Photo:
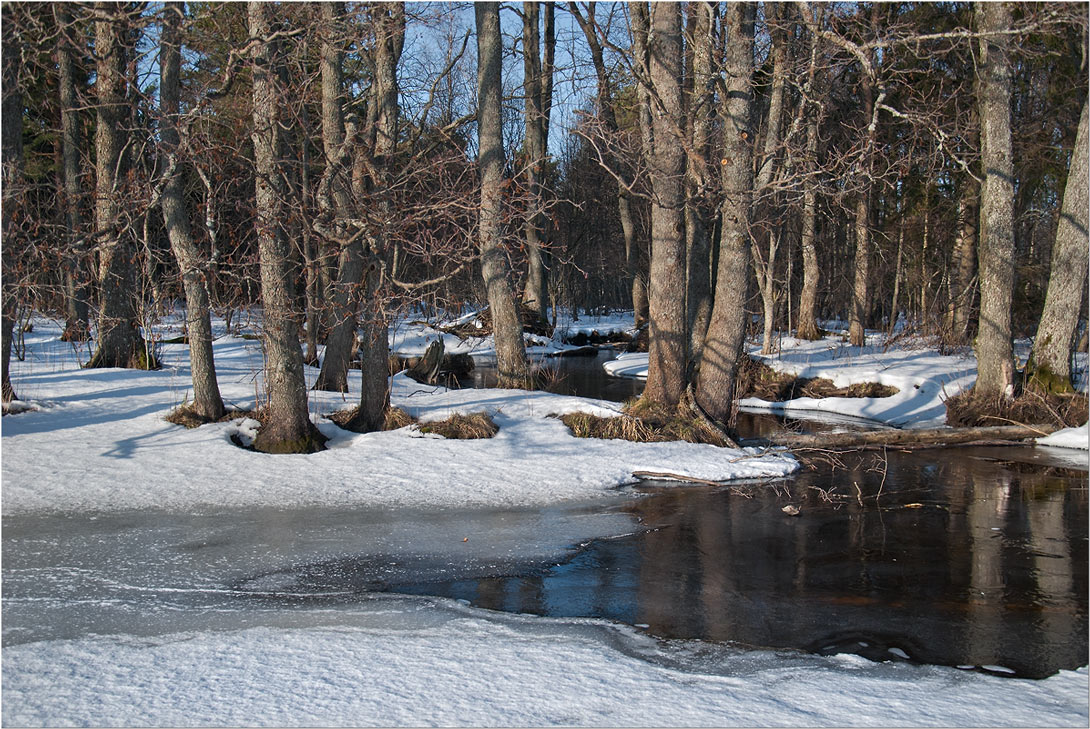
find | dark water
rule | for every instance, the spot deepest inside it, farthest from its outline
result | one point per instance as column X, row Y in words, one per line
column 958, row 556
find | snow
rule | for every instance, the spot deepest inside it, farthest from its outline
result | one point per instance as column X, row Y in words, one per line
column 121, row 454
column 474, row 671
column 1068, row 438
column 95, row 441
column 923, row 377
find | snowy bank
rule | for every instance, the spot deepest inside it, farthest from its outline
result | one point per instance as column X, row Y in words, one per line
column 119, row 453
column 465, row 670
column 1068, row 438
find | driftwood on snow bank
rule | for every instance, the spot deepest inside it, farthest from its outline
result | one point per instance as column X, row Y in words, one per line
column 904, row 438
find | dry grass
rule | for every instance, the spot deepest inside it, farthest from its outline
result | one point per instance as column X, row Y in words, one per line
column 757, row 379
column 644, row 422
column 395, row 418
column 1028, row 407
column 183, row 415
column 463, row 427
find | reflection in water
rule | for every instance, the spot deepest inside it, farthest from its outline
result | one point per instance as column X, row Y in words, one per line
column 958, row 560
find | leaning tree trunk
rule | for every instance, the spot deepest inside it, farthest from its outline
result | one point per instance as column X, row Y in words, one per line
column 120, row 343
column 995, row 359
column 77, row 279
column 506, row 327
column 715, row 385
column 207, row 402
column 666, row 354
column 286, row 426
column 1050, row 361
column 11, row 158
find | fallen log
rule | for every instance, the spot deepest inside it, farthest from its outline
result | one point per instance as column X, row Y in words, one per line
column 903, row 438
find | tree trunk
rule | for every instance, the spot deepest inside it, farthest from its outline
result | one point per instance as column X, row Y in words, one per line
column 537, row 83
column 666, row 378
column 507, row 329
column 905, row 438
column 207, row 402
column 389, row 23
column 120, row 343
column 715, row 390
column 697, row 208
column 11, row 157
column 962, row 289
column 77, row 279
column 334, row 202
column 860, row 305
column 1050, row 361
column 811, row 274
column 995, row 360
column 896, row 303
column 286, row 424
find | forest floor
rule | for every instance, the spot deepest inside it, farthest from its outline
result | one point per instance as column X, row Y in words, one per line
column 95, row 442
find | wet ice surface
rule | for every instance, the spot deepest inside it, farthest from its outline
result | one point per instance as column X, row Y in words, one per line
column 150, row 573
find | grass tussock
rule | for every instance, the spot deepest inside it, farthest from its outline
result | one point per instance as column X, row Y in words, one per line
column 1029, row 407
column 644, row 422
column 463, row 427
column 757, row 379
column 187, row 417
column 395, row 418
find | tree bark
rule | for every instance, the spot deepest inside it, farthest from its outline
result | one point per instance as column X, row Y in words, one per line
column 11, row 157
column 905, row 438
column 334, row 202
column 286, row 424
column 207, row 402
column 995, row 360
column 1050, row 361
column 506, row 327
column 538, row 93
column 811, row 273
column 77, row 279
column 962, row 289
column 715, row 387
column 120, row 343
column 667, row 356
column 697, row 208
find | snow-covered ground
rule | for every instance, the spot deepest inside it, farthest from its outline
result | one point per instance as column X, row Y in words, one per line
column 923, row 377
column 96, row 441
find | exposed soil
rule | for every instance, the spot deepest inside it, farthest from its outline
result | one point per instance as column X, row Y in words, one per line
column 757, row 379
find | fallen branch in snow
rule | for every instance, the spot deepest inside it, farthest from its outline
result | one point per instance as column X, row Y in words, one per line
column 907, row 438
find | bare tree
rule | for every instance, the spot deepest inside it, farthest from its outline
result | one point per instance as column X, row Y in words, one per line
column 286, row 424
column 207, row 402
column 666, row 376
column 538, row 90
column 698, row 205
column 507, row 329
column 11, row 123
column 78, row 284
column 995, row 359
column 1050, row 361
column 120, row 343
column 715, row 385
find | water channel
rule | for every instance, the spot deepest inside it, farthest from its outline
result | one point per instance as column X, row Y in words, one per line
column 972, row 557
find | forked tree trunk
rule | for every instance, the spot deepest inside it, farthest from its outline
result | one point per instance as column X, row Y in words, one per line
column 666, row 371
column 507, row 329
column 77, row 279
column 995, row 359
column 1050, row 361
column 120, row 343
column 207, row 402
column 286, row 427
column 345, row 291
column 389, row 23
column 715, row 387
